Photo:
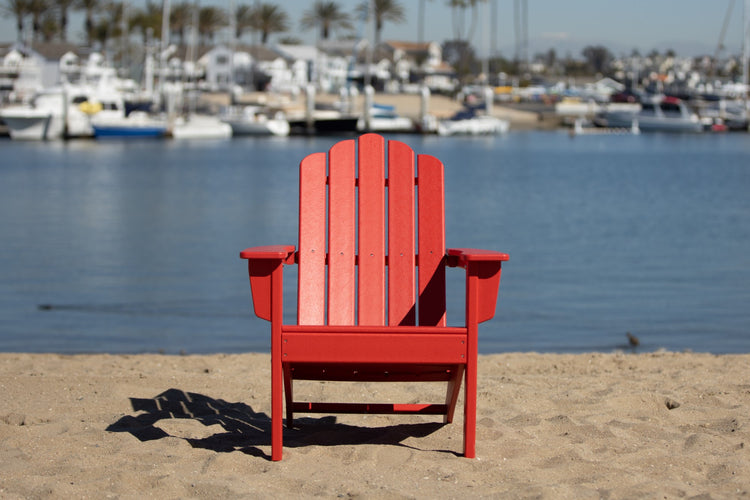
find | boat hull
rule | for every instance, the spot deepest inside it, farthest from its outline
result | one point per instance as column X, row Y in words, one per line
column 137, row 124
column 30, row 126
column 248, row 127
column 341, row 125
column 201, row 127
column 480, row 125
column 650, row 123
column 104, row 131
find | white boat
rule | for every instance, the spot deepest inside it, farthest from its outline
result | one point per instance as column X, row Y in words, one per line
column 254, row 120
column 30, row 122
column 383, row 118
column 468, row 122
column 59, row 112
column 197, row 126
column 657, row 114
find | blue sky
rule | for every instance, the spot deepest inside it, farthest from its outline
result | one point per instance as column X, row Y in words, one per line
column 690, row 27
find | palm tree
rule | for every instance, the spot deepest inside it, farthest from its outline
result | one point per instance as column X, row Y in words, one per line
column 109, row 24
column 243, row 16
column 49, row 27
column 211, row 20
column 37, row 9
column 458, row 12
column 147, row 20
column 180, row 18
column 269, row 19
column 63, row 6
column 90, row 6
column 327, row 16
column 385, row 10
column 19, row 10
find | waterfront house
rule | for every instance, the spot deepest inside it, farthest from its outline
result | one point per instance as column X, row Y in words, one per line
column 26, row 69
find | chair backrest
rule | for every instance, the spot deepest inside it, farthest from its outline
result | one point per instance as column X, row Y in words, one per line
column 360, row 216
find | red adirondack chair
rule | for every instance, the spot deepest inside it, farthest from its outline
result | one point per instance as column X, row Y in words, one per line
column 378, row 313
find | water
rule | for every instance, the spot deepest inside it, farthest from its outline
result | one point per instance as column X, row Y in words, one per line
column 129, row 247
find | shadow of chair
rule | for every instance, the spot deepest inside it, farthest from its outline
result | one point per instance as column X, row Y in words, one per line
column 246, row 430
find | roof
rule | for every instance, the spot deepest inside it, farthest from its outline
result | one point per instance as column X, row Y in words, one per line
column 294, row 52
column 53, row 51
column 409, row 46
column 259, row 52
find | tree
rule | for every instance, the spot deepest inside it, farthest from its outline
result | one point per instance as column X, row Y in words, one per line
column 109, row 23
column 180, row 18
column 460, row 55
column 19, row 10
column 210, row 20
column 90, row 7
column 385, row 10
column 327, row 16
column 49, row 28
column 37, row 9
column 458, row 13
column 269, row 18
column 147, row 20
column 63, row 6
column 597, row 57
column 243, row 17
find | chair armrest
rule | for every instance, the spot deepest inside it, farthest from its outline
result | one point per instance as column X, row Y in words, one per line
column 265, row 267
column 483, row 270
column 460, row 257
column 282, row 252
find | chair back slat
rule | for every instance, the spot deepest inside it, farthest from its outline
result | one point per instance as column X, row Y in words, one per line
column 312, row 244
column 371, row 218
column 401, row 250
column 360, row 206
column 431, row 235
column 341, row 234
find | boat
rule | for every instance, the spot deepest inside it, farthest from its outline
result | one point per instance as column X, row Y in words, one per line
column 655, row 114
column 468, row 122
column 136, row 124
column 255, row 120
column 383, row 118
column 323, row 121
column 30, row 122
column 61, row 112
column 196, row 126
column 65, row 110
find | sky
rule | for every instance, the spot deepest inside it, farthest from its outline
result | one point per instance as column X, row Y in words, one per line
column 689, row 27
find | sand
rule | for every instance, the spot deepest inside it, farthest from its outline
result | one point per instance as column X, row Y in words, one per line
column 658, row 425
column 408, row 105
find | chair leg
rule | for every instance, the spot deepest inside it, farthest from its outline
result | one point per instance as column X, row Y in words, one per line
column 470, row 411
column 277, row 399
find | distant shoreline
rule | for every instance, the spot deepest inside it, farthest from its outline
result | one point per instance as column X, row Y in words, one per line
column 407, row 105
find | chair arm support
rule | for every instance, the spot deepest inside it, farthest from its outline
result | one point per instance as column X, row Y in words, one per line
column 483, row 270
column 265, row 268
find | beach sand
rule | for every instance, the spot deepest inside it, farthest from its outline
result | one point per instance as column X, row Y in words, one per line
column 657, row 425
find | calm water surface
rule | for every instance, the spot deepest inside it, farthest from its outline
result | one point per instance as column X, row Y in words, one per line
column 133, row 246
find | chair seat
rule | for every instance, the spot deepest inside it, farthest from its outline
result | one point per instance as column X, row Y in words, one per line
column 435, row 345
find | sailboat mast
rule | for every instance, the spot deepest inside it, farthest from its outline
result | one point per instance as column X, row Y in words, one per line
column 164, row 45
column 745, row 49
